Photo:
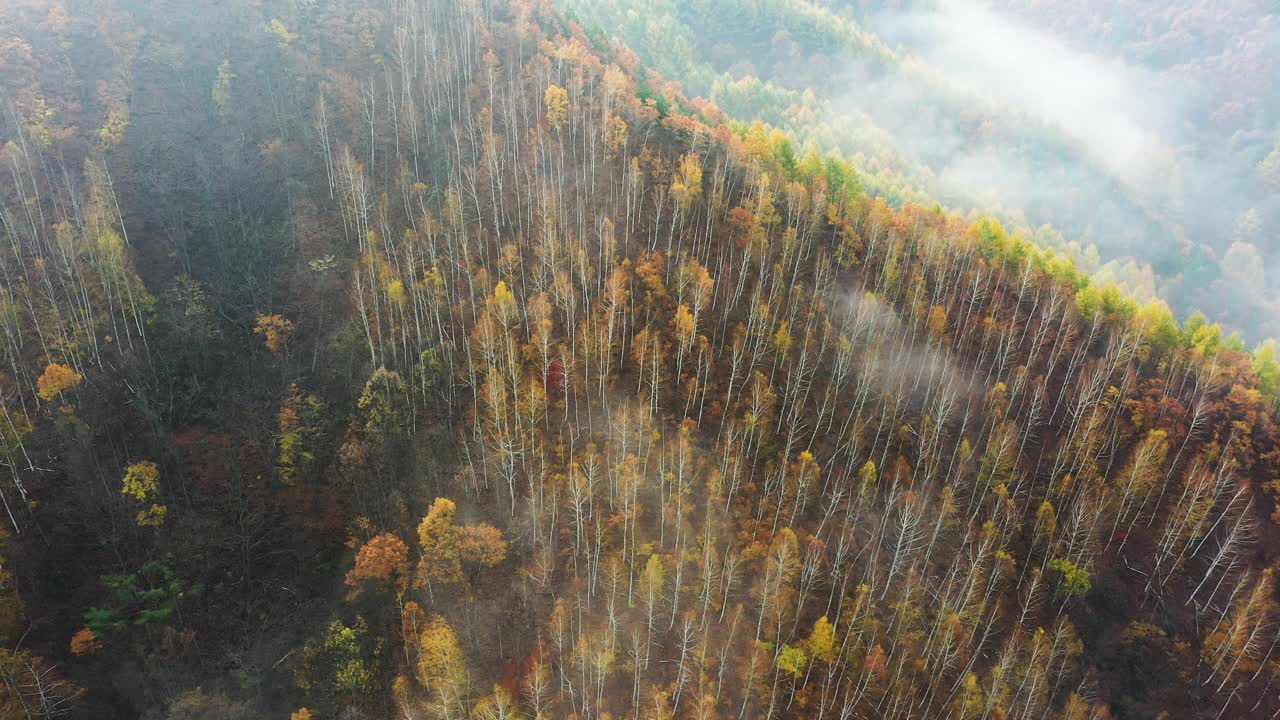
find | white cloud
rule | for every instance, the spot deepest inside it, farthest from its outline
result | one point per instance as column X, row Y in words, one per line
column 1123, row 114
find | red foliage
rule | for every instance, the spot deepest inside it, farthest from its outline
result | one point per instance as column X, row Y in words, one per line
column 205, row 459
column 554, row 380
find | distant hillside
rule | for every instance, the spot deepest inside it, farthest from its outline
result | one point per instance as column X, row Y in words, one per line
column 1158, row 164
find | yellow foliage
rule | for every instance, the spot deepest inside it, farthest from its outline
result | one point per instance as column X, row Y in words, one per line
column 281, row 31
column 654, row 577
column 152, row 517
column 275, row 331
column 792, row 661
column 504, row 302
column 969, row 703
column 557, row 101
column 55, row 380
column 684, row 325
column 782, row 339
column 615, row 135
column 141, row 481
column 686, row 186
column 937, row 322
column 110, row 244
column 396, row 291
column 112, row 132
column 441, row 667
column 498, row 706
column 822, row 641
column 446, row 546
column 38, row 122
column 402, row 690
column 437, row 525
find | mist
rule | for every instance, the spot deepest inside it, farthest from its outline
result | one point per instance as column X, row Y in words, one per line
column 1122, row 112
column 1113, row 153
column 1123, row 120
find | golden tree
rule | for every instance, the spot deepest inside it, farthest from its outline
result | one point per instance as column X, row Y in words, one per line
column 275, row 331
column 55, row 380
column 822, row 641
column 557, row 101
column 142, row 483
column 446, row 546
column 441, row 668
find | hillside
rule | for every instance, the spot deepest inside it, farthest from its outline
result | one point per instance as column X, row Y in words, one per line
column 1134, row 136
column 435, row 359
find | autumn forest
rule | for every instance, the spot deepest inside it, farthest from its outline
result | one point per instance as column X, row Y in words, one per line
column 436, row 359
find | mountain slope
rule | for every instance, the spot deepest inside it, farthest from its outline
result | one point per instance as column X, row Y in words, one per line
column 1153, row 175
column 431, row 359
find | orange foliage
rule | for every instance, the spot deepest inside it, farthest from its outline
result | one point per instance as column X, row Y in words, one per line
column 482, row 544
column 385, row 557
column 288, row 418
column 877, row 662
column 57, row 379
column 84, row 642
column 275, row 330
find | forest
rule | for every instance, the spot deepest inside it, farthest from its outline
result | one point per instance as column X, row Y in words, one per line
column 457, row 359
column 1141, row 138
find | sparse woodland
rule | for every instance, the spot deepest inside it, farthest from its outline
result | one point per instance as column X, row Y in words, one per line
column 431, row 359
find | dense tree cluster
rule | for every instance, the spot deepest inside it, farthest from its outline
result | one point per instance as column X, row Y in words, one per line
column 441, row 362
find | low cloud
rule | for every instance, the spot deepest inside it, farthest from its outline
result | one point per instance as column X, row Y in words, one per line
column 1125, row 115
column 1130, row 169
